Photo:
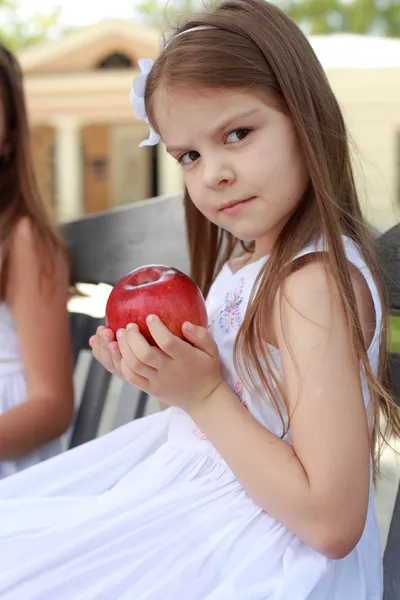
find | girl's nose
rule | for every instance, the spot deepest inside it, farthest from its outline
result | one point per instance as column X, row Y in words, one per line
column 216, row 173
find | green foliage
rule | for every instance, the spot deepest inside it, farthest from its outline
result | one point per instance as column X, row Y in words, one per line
column 394, row 334
column 315, row 16
column 159, row 12
column 18, row 33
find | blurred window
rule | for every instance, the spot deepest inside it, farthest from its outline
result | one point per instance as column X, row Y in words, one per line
column 116, row 61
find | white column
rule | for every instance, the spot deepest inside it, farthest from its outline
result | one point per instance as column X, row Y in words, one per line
column 68, row 168
column 169, row 173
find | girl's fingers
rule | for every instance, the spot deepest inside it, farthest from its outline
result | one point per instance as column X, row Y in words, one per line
column 100, row 349
column 107, row 335
column 134, row 379
column 130, row 358
column 149, row 355
column 116, row 359
column 201, row 338
column 172, row 346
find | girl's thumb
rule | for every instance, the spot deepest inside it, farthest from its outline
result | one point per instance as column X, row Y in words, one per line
column 199, row 337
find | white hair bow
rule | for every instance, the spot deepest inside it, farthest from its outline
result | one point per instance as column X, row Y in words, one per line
column 136, row 97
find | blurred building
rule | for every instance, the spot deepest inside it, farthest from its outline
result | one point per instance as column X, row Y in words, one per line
column 85, row 137
column 84, row 134
column 364, row 72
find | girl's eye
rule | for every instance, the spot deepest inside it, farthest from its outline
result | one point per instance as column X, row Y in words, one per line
column 237, row 135
column 189, row 157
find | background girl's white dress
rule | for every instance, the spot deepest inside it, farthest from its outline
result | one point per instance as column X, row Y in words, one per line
column 13, row 391
column 152, row 512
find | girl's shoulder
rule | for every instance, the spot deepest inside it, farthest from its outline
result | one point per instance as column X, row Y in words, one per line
column 29, row 254
column 23, row 232
column 313, row 283
column 27, row 235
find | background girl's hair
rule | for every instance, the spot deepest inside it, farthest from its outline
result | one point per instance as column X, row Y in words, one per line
column 19, row 190
column 254, row 45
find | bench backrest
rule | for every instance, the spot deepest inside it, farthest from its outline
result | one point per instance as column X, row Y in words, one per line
column 103, row 248
column 388, row 246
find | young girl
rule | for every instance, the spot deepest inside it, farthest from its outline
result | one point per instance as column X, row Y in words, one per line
column 36, row 397
column 256, row 482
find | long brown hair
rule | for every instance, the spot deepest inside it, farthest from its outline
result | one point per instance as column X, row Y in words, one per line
column 254, row 44
column 19, row 191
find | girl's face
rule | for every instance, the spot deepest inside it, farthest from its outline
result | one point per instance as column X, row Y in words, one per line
column 241, row 158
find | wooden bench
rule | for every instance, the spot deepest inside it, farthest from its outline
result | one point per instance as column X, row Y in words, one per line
column 388, row 246
column 103, row 248
column 107, row 245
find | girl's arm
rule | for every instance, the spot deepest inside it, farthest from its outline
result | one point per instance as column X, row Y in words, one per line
column 39, row 310
column 319, row 487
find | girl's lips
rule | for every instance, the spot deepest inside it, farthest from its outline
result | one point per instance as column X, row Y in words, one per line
column 232, row 208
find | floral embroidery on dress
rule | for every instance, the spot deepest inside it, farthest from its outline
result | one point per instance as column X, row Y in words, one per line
column 230, row 317
column 238, row 391
column 197, row 431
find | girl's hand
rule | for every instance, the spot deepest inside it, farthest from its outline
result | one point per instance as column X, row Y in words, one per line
column 105, row 350
column 178, row 372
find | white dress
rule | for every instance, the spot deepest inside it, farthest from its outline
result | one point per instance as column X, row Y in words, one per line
column 13, row 391
column 151, row 511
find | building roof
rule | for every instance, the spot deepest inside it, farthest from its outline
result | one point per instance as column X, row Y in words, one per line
column 335, row 51
column 35, row 57
column 352, row 51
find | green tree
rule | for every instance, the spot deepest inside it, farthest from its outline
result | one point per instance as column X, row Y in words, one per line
column 158, row 12
column 354, row 16
column 314, row 16
column 18, row 33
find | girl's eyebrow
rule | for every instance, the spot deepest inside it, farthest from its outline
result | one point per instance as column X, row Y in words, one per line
column 224, row 124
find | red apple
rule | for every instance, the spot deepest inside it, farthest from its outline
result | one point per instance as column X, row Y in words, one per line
column 155, row 290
